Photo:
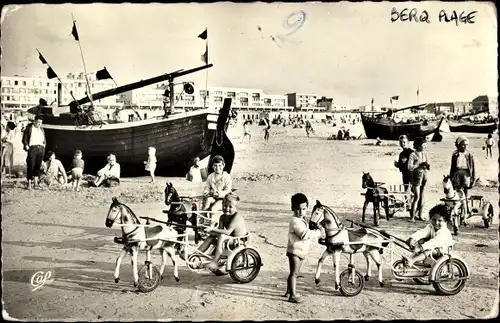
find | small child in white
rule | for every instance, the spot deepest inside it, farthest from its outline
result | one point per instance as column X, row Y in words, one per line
column 194, row 174
column 151, row 163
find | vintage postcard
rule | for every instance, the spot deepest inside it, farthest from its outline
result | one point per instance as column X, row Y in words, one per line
column 249, row 161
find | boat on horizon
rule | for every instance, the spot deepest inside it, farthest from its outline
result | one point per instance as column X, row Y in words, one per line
column 383, row 126
column 462, row 125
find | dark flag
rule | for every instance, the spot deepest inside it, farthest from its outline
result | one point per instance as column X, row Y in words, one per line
column 396, row 97
column 42, row 59
column 418, row 91
column 203, row 35
column 74, row 31
column 373, row 101
column 50, row 73
column 204, row 57
column 103, row 74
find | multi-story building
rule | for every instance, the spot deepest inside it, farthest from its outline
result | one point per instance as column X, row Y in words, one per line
column 243, row 99
column 485, row 102
column 304, row 102
column 25, row 92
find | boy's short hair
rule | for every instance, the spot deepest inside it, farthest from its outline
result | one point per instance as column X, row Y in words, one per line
column 78, row 152
column 419, row 141
column 231, row 197
column 50, row 153
column 403, row 137
column 298, row 199
column 218, row 159
column 38, row 117
column 442, row 210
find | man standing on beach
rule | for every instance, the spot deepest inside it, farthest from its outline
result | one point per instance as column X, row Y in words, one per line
column 34, row 144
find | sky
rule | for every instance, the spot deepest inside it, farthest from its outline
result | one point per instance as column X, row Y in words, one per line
column 351, row 52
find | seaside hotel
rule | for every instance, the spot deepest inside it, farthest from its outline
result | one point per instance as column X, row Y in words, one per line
column 20, row 93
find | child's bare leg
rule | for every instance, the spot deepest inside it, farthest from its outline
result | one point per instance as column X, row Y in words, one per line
column 207, row 202
column 207, row 243
column 295, row 264
column 77, row 185
column 152, row 173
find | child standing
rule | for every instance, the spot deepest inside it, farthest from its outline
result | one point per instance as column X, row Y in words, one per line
column 77, row 166
column 298, row 243
column 436, row 235
column 219, row 184
column 194, row 174
column 151, row 163
column 462, row 165
column 8, row 148
column 489, row 143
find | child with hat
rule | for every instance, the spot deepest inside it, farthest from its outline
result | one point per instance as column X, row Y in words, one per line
column 462, row 171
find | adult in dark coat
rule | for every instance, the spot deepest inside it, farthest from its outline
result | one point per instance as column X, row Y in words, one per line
column 34, row 144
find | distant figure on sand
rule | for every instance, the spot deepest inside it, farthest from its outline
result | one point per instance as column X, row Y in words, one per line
column 109, row 176
column 53, row 171
column 489, row 143
column 151, row 163
column 77, row 167
column 379, row 142
column 194, row 174
column 8, row 148
column 267, row 127
column 246, row 130
column 418, row 166
column 34, row 144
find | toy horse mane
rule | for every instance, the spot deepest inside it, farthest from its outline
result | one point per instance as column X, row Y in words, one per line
column 331, row 211
column 129, row 210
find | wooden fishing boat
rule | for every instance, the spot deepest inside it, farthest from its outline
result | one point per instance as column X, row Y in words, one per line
column 386, row 128
column 472, row 127
column 462, row 125
column 177, row 137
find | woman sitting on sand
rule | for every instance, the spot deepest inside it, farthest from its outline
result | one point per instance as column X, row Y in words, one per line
column 109, row 176
column 53, row 171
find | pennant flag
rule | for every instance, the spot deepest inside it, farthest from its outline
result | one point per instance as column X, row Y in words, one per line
column 373, row 100
column 50, row 73
column 418, row 91
column 391, row 100
column 204, row 57
column 203, row 35
column 74, row 31
column 396, row 97
column 103, row 74
column 42, row 59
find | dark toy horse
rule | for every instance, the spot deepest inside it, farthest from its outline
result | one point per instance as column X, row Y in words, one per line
column 180, row 211
column 374, row 194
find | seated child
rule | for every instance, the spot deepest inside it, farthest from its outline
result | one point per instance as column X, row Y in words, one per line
column 109, row 175
column 436, row 235
column 53, row 171
column 218, row 185
column 77, row 166
column 231, row 224
column 299, row 237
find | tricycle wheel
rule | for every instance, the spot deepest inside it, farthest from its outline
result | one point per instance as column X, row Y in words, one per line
column 147, row 282
column 488, row 216
column 351, row 285
column 245, row 266
column 450, row 277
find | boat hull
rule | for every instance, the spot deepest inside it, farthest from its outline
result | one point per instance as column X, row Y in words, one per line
column 471, row 127
column 178, row 139
column 389, row 130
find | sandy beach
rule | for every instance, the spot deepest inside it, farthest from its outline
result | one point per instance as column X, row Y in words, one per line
column 63, row 232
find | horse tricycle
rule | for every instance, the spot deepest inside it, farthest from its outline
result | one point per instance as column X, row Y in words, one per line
column 463, row 207
column 447, row 273
column 237, row 255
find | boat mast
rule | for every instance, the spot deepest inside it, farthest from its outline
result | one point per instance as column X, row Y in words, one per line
column 77, row 37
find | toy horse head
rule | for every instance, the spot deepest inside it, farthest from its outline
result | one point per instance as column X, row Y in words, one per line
column 171, row 194
column 118, row 210
column 447, row 185
column 319, row 214
column 367, row 180
column 113, row 212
